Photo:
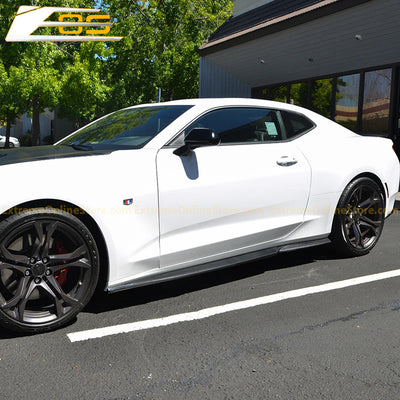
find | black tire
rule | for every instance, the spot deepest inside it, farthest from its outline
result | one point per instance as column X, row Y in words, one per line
column 49, row 267
column 359, row 218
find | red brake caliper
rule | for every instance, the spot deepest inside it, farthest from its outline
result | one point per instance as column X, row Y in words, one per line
column 61, row 275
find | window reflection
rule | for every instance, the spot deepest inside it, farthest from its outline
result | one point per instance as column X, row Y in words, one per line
column 375, row 114
column 279, row 93
column 299, row 94
column 321, row 97
column 346, row 109
column 376, row 99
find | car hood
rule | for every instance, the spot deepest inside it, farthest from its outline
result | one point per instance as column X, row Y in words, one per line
column 40, row 153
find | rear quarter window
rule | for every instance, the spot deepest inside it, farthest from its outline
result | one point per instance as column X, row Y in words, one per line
column 296, row 124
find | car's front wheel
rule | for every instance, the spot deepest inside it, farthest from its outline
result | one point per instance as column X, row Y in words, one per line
column 49, row 267
column 359, row 217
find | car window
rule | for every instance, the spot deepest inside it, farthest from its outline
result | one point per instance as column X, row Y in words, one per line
column 242, row 125
column 296, row 124
column 128, row 128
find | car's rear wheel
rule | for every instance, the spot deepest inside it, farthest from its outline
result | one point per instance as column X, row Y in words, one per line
column 10, row 145
column 359, row 217
column 49, row 267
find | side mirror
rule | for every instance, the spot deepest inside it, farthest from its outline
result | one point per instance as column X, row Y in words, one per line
column 198, row 137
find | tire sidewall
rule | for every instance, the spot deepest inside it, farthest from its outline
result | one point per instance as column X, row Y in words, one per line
column 15, row 221
column 339, row 236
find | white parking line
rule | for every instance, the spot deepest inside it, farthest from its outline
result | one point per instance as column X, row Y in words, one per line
column 239, row 305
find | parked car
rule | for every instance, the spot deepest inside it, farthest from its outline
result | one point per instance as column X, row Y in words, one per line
column 14, row 142
column 161, row 191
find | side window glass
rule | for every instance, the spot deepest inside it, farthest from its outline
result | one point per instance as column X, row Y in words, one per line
column 241, row 125
column 296, row 124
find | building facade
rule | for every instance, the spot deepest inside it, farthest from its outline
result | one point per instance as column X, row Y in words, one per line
column 340, row 58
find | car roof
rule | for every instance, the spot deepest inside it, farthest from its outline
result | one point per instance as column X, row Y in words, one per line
column 234, row 102
column 215, row 102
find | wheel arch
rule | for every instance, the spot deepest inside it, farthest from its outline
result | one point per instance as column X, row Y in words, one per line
column 85, row 218
column 375, row 178
column 346, row 183
column 342, row 240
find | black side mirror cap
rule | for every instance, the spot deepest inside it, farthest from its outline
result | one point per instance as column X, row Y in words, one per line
column 198, row 137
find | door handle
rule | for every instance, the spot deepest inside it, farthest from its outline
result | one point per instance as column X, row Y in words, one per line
column 286, row 161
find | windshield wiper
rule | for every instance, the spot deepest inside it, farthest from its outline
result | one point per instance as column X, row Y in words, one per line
column 81, row 147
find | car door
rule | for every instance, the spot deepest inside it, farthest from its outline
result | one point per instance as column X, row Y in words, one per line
column 245, row 194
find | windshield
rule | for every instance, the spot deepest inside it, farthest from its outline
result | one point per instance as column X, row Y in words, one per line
column 130, row 128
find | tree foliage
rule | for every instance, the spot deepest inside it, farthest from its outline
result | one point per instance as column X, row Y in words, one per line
column 36, row 70
column 11, row 105
column 84, row 80
column 160, row 46
column 39, row 83
column 83, row 91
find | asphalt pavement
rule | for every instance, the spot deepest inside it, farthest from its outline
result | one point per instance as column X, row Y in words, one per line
column 342, row 343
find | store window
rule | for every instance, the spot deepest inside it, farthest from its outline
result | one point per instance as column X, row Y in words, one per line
column 299, row 94
column 346, row 108
column 321, row 96
column 279, row 93
column 376, row 105
column 340, row 98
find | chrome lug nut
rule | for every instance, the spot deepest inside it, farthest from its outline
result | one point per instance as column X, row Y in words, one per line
column 27, row 272
column 45, row 260
column 32, row 260
column 48, row 272
column 37, row 280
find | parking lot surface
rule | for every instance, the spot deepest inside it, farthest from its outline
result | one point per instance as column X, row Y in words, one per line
column 341, row 343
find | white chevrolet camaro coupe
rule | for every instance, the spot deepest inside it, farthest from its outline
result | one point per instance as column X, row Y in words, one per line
column 162, row 191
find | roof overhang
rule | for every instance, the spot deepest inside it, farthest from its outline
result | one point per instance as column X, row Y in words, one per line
column 304, row 15
column 326, row 44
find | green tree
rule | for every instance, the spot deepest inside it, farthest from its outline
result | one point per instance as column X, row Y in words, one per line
column 160, row 47
column 39, row 88
column 42, row 68
column 11, row 104
column 83, row 91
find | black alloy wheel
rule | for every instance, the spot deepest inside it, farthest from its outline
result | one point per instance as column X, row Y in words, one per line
column 49, row 267
column 359, row 217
